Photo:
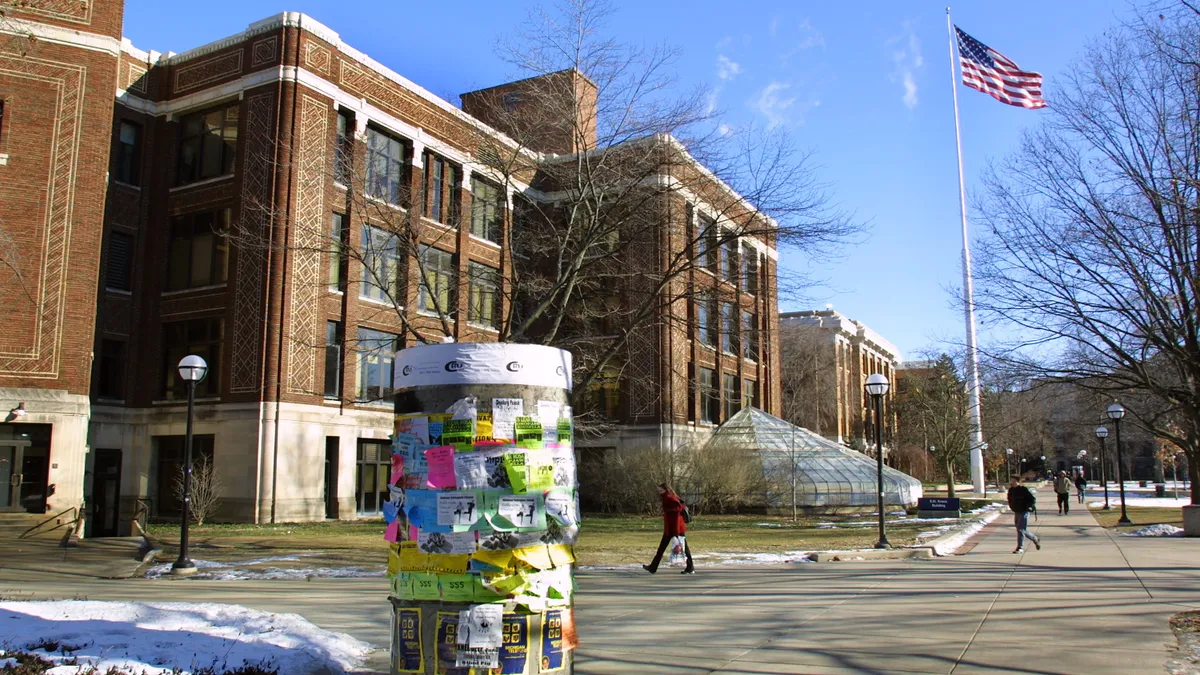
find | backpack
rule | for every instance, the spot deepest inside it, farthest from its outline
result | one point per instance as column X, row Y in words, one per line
column 687, row 514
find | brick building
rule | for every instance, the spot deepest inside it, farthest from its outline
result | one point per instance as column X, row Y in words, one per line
column 838, row 354
column 229, row 231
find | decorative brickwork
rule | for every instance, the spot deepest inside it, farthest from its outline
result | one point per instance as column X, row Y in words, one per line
column 312, row 152
column 385, row 94
column 196, row 75
column 251, row 255
column 41, row 358
column 264, row 51
column 72, row 11
column 317, row 58
column 135, row 78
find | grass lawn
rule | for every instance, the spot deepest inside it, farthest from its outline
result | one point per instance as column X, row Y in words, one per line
column 605, row 539
column 1140, row 515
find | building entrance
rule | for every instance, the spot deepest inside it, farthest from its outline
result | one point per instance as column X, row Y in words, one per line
column 24, row 467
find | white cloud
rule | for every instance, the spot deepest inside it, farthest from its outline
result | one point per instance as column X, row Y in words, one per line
column 907, row 61
column 773, row 103
column 724, row 129
column 808, row 37
column 727, row 68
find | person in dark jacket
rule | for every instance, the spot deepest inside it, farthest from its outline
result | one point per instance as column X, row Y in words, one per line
column 1062, row 488
column 673, row 526
column 1022, row 502
column 1080, row 486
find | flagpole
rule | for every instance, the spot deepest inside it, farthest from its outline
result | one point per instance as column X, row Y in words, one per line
column 973, row 386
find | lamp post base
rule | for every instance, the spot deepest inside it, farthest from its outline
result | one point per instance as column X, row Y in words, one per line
column 183, row 568
column 1124, row 521
column 882, row 544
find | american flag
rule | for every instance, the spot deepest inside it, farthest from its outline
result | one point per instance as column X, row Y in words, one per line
column 987, row 70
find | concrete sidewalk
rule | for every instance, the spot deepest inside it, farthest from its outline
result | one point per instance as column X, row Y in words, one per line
column 1088, row 602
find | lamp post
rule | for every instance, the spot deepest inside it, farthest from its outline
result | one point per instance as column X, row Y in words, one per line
column 877, row 386
column 1102, row 433
column 1008, row 462
column 1115, row 412
column 192, row 369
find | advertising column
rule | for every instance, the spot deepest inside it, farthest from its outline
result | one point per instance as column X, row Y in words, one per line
column 484, row 513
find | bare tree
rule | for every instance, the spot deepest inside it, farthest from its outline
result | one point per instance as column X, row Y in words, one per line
column 204, row 492
column 933, row 410
column 808, row 377
column 1094, row 248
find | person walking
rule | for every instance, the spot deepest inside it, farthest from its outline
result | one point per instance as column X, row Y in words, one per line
column 674, row 525
column 1080, row 486
column 1062, row 488
column 1022, row 502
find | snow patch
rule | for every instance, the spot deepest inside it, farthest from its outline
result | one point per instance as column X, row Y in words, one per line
column 236, row 571
column 1158, row 530
column 956, row 540
column 154, row 638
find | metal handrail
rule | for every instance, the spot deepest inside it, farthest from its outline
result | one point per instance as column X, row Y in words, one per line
column 141, row 516
column 75, row 518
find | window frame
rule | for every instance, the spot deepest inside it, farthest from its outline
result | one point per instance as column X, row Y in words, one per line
column 339, row 259
column 335, row 340
column 208, row 346
column 434, row 268
column 710, row 402
column 228, row 150
column 481, row 226
column 395, row 192
column 730, row 268
column 478, row 272
column 343, row 148
column 127, row 160
column 749, row 335
column 110, row 264
column 749, row 393
column 378, row 340
column 731, row 397
column 218, row 272
column 109, row 373
column 729, row 328
column 705, row 329
column 750, row 268
column 386, row 254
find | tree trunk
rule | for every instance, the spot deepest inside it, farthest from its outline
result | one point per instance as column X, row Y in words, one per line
column 1193, row 470
column 950, row 480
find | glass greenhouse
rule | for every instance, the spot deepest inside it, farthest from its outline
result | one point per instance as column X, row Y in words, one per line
column 827, row 474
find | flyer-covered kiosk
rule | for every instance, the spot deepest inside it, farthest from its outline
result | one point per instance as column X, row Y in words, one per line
column 483, row 514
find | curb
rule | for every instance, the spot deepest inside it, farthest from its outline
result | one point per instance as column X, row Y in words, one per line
column 956, row 537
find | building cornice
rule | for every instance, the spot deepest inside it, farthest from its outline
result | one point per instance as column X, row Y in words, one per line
column 58, row 35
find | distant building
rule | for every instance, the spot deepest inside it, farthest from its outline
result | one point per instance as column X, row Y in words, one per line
column 826, row 358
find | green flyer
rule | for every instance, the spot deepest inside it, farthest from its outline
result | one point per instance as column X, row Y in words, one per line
column 457, row 587
column 459, row 433
column 529, row 433
column 514, row 463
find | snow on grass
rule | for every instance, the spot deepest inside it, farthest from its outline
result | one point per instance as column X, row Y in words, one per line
column 755, row 558
column 1157, row 530
column 1114, row 500
column 954, row 541
column 153, row 638
column 247, row 570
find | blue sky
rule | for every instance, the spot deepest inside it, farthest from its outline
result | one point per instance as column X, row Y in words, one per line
column 865, row 85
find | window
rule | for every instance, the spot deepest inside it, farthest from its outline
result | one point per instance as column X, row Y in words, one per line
column 110, row 372
column 376, row 354
column 385, row 166
column 442, row 180
column 437, row 281
column 381, row 262
column 343, row 149
column 208, row 144
column 168, row 467
column 750, row 269
column 486, row 210
column 729, row 394
column 484, row 287
column 605, row 394
column 709, row 404
column 129, row 153
column 339, row 238
column 333, row 359
column 749, row 394
column 729, row 327
column 707, row 254
column 118, row 264
column 371, row 478
column 199, row 252
column 201, row 337
column 704, row 320
column 729, row 259
column 749, row 336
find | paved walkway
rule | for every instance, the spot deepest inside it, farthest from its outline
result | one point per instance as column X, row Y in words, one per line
column 1088, row 602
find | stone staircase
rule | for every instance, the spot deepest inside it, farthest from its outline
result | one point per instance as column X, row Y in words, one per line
column 35, row 525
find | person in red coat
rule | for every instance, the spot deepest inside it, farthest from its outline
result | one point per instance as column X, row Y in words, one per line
column 673, row 526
